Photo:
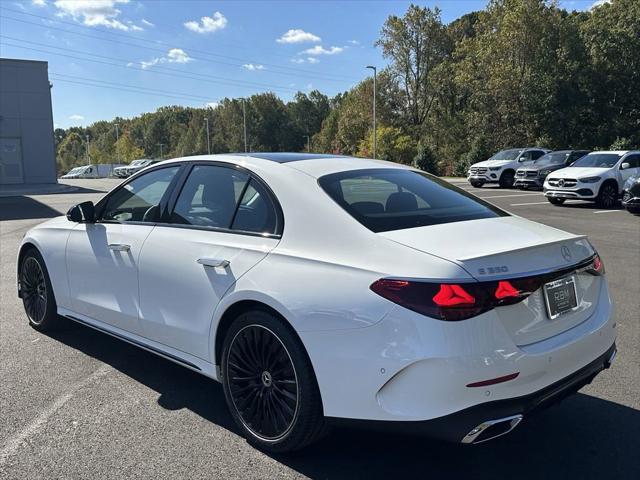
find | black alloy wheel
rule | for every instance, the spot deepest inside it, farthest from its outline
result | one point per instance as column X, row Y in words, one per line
column 36, row 292
column 262, row 381
column 507, row 179
column 608, row 196
column 269, row 383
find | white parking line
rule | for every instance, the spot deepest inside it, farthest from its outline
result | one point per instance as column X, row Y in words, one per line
column 608, row 211
column 531, row 203
column 512, row 195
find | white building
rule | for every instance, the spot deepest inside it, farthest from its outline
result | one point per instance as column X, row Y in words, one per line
column 27, row 153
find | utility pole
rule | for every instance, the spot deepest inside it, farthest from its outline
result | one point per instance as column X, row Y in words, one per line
column 206, row 121
column 117, row 149
column 244, row 122
column 375, row 133
column 308, row 143
column 87, row 144
column 161, row 145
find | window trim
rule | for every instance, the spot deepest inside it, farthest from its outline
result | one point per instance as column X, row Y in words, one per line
column 188, row 167
column 100, row 206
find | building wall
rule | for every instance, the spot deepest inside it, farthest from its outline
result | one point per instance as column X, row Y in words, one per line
column 26, row 116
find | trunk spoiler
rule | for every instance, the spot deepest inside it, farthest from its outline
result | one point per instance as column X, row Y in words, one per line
column 521, row 249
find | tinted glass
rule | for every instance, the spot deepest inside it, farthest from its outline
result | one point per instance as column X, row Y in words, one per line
column 210, row 196
column 139, row 200
column 394, row 199
column 507, row 154
column 256, row 212
column 554, row 158
column 601, row 160
column 633, row 161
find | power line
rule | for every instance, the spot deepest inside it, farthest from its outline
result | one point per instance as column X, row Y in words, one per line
column 133, row 65
column 299, row 71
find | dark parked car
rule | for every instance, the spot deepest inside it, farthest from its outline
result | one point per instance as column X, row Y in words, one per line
column 533, row 175
column 631, row 195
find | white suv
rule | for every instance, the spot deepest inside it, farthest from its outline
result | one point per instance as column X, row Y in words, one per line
column 597, row 177
column 501, row 168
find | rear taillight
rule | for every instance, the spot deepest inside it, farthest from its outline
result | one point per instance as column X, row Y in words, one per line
column 444, row 301
column 597, row 266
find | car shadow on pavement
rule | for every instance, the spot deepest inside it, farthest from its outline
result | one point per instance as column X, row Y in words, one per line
column 582, row 437
column 23, row 208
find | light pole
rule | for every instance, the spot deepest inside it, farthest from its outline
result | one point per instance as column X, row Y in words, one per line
column 161, row 145
column 375, row 133
column 87, row 144
column 244, row 123
column 117, row 149
column 206, row 121
column 308, row 143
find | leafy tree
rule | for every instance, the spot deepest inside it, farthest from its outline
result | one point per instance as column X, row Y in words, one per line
column 426, row 160
column 127, row 150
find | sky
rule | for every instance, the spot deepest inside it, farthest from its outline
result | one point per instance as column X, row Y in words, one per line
column 111, row 58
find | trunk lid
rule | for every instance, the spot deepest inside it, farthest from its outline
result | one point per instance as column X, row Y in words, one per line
column 512, row 247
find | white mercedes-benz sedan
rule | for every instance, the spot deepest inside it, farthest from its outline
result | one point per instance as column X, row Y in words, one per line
column 325, row 289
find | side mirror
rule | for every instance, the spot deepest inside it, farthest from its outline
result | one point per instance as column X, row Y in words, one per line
column 624, row 166
column 84, row 212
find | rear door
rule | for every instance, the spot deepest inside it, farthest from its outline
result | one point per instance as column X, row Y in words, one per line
column 222, row 223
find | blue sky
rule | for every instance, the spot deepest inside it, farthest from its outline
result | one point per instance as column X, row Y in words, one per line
column 112, row 58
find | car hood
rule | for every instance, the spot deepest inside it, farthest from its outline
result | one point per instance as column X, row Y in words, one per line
column 579, row 172
column 537, row 168
column 492, row 163
column 497, row 247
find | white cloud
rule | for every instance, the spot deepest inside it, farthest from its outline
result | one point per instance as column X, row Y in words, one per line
column 207, row 24
column 95, row 13
column 147, row 23
column 599, row 3
column 313, row 60
column 252, row 67
column 320, row 50
column 298, row 60
column 296, row 35
column 354, row 42
column 175, row 55
column 39, row 3
column 76, row 117
column 305, row 60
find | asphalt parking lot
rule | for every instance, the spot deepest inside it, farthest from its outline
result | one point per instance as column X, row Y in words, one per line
column 79, row 404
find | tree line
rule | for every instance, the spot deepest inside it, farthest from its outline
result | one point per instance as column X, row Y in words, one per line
column 518, row 73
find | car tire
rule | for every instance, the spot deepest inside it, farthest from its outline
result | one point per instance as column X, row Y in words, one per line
column 476, row 184
column 607, row 196
column 37, row 293
column 556, row 201
column 271, row 392
column 507, row 179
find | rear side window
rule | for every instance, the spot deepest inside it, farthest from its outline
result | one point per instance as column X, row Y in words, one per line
column 256, row 212
column 394, row 199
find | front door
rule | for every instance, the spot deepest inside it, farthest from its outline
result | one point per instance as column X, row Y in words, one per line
column 10, row 161
column 224, row 222
column 102, row 257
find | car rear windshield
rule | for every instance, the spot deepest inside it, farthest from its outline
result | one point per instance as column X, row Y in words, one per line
column 598, row 160
column 387, row 199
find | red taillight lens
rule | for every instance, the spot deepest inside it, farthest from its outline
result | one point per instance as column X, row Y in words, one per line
column 453, row 296
column 597, row 266
column 442, row 301
column 506, row 290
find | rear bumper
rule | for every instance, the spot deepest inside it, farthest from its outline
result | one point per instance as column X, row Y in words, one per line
column 456, row 426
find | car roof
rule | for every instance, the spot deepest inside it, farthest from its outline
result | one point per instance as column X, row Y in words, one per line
column 615, row 152
column 313, row 164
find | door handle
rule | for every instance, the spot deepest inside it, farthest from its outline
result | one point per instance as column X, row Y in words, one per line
column 213, row 262
column 119, row 247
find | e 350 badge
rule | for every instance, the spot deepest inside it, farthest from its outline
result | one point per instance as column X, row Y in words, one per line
column 493, row 270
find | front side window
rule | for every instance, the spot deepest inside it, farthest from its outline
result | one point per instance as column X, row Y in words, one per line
column 394, row 199
column 535, row 154
column 511, row 154
column 139, row 200
column 554, row 158
column 632, row 160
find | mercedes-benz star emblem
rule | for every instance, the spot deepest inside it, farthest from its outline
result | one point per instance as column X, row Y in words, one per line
column 566, row 253
column 561, row 184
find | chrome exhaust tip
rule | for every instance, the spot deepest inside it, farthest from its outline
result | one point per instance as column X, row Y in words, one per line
column 492, row 429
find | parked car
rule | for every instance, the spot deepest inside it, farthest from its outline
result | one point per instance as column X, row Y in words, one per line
column 121, row 172
column 534, row 174
column 501, row 168
column 376, row 307
column 139, row 165
column 100, row 170
column 631, row 195
column 597, row 177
